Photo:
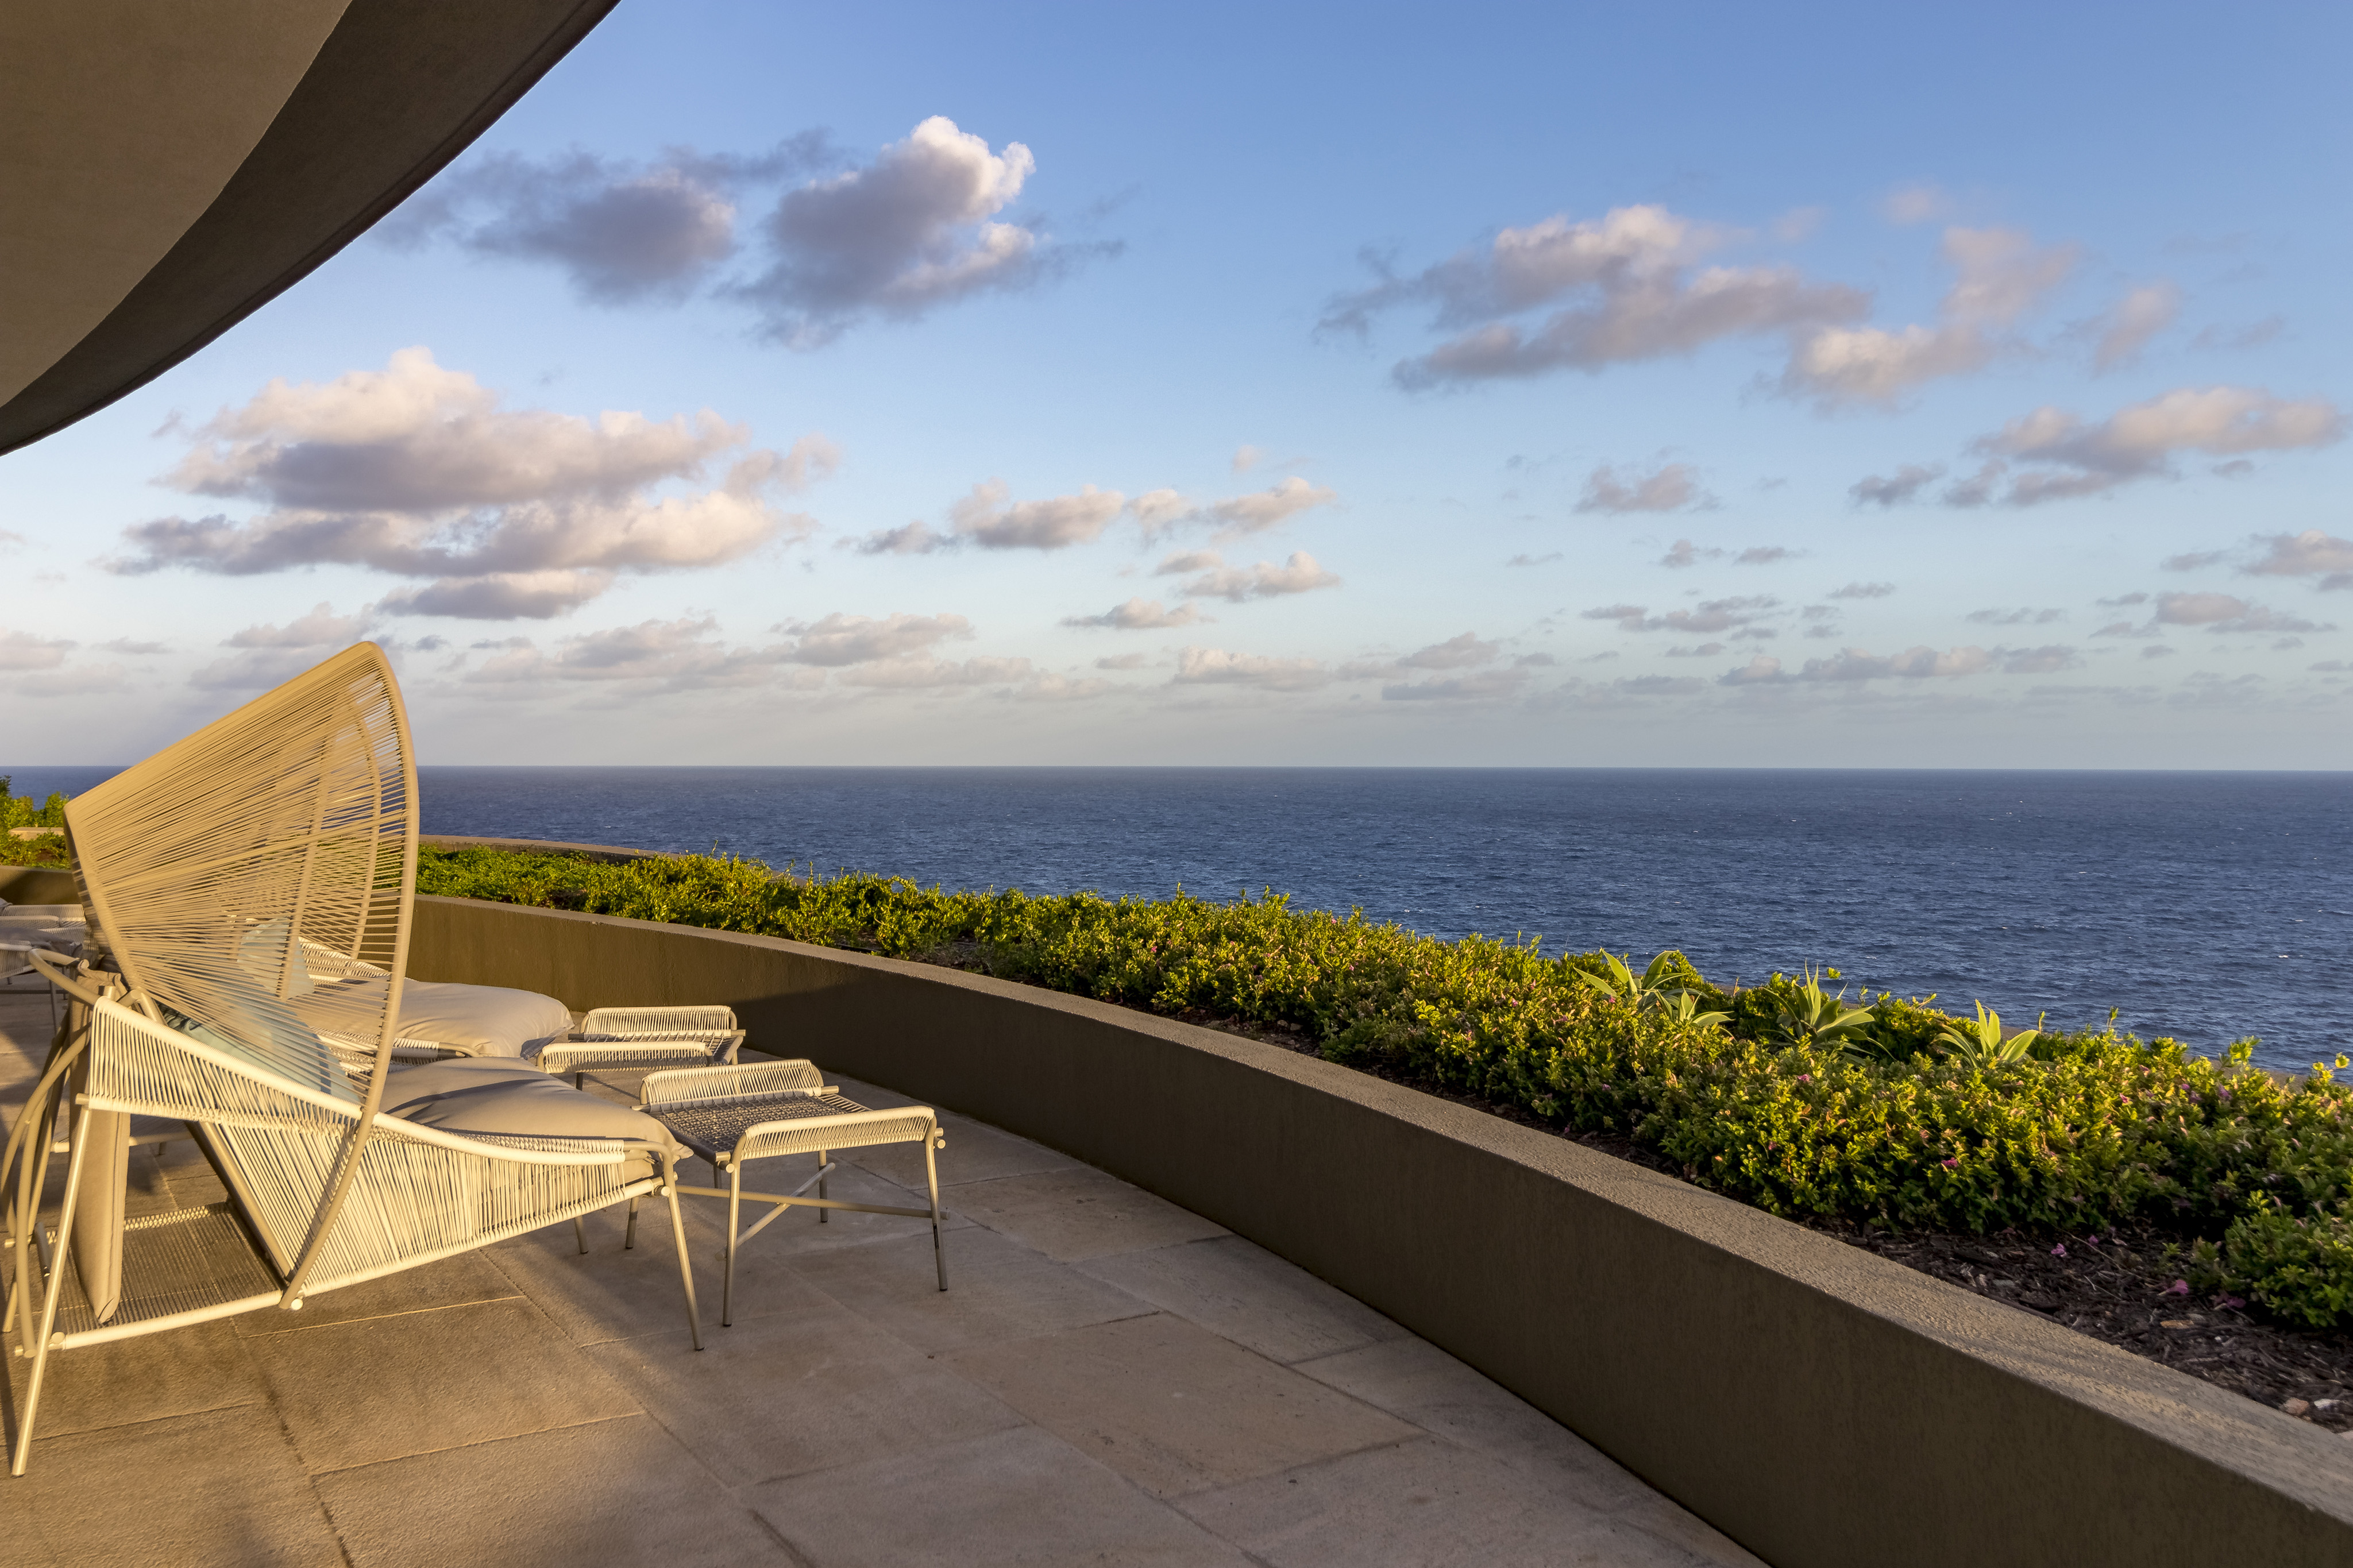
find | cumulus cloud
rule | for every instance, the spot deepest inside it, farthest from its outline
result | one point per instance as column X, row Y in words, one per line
column 1265, row 580
column 1999, row 276
column 416, row 471
column 2226, row 612
column 1742, row 614
column 1919, row 202
column 1139, row 614
column 1163, row 512
column 915, row 537
column 132, row 646
column 914, row 229
column 2054, row 455
column 1672, row 487
column 2018, row 617
column 839, row 639
column 918, row 674
column 1122, row 661
column 623, row 232
column 1764, row 555
column 1897, row 487
column 988, row 519
column 2137, row 318
column 1863, row 591
column 24, row 650
column 1683, row 553
column 917, row 227
column 653, row 656
column 1247, row 457
column 1637, row 296
column 267, row 653
column 1484, row 686
column 1218, row 667
column 2192, row 560
column 1854, row 665
column 1455, row 653
column 2311, row 553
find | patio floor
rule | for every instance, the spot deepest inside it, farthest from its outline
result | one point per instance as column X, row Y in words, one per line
column 1110, row 1379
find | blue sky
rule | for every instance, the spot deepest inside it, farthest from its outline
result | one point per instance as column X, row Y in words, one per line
column 1674, row 385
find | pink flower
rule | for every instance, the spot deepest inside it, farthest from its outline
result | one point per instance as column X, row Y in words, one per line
column 2059, row 1251
column 2179, row 1287
column 1951, row 1164
column 2228, row 1303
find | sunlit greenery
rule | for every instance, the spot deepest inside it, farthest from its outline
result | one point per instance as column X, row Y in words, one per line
column 19, row 811
column 1790, row 1097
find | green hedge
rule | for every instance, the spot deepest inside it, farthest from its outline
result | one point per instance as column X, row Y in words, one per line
column 2092, row 1129
column 18, row 811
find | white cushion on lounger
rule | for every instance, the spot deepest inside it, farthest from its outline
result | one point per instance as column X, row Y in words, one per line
column 488, row 1097
column 481, row 1020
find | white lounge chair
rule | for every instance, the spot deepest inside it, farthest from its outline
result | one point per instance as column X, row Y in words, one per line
column 211, row 869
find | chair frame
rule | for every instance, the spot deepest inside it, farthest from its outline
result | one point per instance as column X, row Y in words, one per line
column 212, row 872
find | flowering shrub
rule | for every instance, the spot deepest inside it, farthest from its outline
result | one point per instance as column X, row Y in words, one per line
column 1882, row 1124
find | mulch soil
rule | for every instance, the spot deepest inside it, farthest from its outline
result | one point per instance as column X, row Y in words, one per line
column 2119, row 1285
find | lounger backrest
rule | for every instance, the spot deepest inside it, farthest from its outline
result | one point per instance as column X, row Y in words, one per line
column 215, row 870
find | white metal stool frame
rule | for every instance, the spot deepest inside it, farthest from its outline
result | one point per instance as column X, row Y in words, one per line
column 731, row 1115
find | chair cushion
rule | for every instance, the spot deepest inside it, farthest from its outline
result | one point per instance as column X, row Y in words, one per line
column 488, row 1097
column 479, row 1020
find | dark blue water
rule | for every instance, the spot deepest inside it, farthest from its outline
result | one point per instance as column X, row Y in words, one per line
column 2204, row 906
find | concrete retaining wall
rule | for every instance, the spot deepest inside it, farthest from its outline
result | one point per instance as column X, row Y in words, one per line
column 1819, row 1404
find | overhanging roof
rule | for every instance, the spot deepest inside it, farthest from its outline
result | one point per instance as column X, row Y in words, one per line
column 166, row 170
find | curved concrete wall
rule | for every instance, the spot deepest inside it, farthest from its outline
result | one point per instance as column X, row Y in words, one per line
column 1819, row 1404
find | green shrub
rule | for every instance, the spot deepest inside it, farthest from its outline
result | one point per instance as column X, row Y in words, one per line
column 18, row 811
column 1792, row 1103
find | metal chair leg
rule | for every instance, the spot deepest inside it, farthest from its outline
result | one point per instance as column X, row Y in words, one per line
column 824, row 1163
column 931, row 1177
column 685, row 1268
column 734, row 1224
column 580, row 1231
column 49, row 1299
column 629, row 1237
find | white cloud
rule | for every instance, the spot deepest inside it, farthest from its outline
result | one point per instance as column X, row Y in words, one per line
column 1672, row 487
column 1921, row 202
column 1188, row 561
column 624, row 232
column 1139, row 614
column 1247, row 457
column 415, row 470
column 2139, row 316
column 134, row 646
column 1640, row 299
column 1122, row 661
column 1863, row 591
column 1454, row 653
column 2063, row 456
column 1255, row 513
column 915, row 537
column 2018, row 617
column 24, row 650
column 988, row 519
column 2192, row 561
column 914, row 674
column 267, row 654
column 1739, row 613
column 1486, row 686
column 2311, row 553
column 914, row 229
column 1217, row 667
column 1683, row 553
column 654, row 655
column 1999, row 276
column 1265, row 580
column 2226, row 612
column 1765, row 555
column 840, row 639
column 1548, row 558
column 1896, row 489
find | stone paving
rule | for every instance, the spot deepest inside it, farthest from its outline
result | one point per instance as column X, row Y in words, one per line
column 1110, row 1379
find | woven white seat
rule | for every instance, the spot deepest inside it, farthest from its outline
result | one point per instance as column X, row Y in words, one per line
column 228, row 879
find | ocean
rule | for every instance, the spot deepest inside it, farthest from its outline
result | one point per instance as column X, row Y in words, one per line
column 2204, row 906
